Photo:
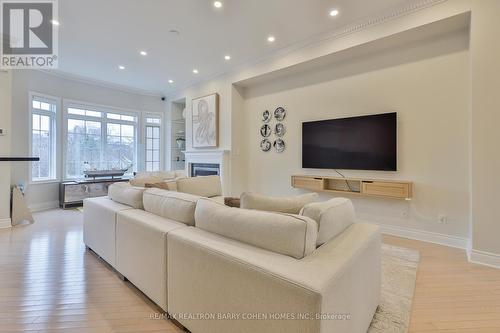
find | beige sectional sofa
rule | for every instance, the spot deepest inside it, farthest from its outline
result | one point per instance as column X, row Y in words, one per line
column 220, row 269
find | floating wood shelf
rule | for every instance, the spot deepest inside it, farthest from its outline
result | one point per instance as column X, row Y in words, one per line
column 394, row 189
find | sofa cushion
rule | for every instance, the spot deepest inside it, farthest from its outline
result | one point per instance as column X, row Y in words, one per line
column 126, row 194
column 205, row 186
column 291, row 205
column 157, row 174
column 141, row 251
column 169, row 185
column 180, row 173
column 333, row 217
column 152, row 177
column 219, row 199
column 176, row 206
column 291, row 235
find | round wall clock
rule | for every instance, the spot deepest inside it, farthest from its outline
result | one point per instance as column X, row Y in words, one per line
column 265, row 130
column 279, row 145
column 265, row 145
column 280, row 114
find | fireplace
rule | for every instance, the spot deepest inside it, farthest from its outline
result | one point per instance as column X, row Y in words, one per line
column 204, row 169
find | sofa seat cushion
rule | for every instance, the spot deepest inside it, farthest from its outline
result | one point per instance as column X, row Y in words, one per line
column 333, row 217
column 141, row 251
column 176, row 206
column 126, row 194
column 291, row 205
column 291, row 235
column 204, row 186
column 99, row 224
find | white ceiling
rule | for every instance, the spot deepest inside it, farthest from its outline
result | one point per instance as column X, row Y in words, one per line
column 98, row 35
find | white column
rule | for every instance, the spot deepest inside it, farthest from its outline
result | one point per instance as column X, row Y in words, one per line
column 485, row 77
column 5, row 125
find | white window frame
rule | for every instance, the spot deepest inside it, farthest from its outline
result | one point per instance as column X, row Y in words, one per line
column 54, row 134
column 68, row 103
column 145, row 124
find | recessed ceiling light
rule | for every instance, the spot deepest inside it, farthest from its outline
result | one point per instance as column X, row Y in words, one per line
column 271, row 39
column 55, row 22
column 195, row 71
column 170, row 81
column 227, row 57
column 121, row 67
column 143, row 53
column 334, row 12
column 217, row 4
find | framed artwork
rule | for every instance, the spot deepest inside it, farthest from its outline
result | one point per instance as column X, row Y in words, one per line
column 205, row 121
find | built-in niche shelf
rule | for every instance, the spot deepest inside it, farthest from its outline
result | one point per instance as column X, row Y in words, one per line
column 394, row 189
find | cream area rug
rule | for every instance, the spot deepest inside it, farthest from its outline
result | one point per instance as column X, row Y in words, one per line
column 399, row 273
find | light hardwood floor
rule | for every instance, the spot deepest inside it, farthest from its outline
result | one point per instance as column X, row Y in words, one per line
column 452, row 295
column 49, row 283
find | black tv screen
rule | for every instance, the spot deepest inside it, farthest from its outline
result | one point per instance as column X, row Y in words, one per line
column 358, row 143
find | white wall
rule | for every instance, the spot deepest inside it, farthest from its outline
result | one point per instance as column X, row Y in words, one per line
column 449, row 98
column 482, row 103
column 40, row 196
column 5, row 167
column 426, row 84
column 485, row 158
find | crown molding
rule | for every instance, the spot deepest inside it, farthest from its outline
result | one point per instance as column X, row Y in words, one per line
column 346, row 30
column 100, row 83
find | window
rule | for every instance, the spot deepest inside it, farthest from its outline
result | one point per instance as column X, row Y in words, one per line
column 153, row 139
column 43, row 137
column 99, row 140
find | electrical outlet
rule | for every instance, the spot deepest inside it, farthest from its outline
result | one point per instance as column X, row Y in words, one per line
column 442, row 218
column 2, row 131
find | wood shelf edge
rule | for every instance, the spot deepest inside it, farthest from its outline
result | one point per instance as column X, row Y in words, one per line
column 369, row 187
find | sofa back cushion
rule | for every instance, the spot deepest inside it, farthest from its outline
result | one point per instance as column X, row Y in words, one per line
column 175, row 206
column 180, row 173
column 333, row 217
column 287, row 234
column 158, row 174
column 205, row 186
column 152, row 177
column 291, row 205
column 126, row 194
column 169, row 185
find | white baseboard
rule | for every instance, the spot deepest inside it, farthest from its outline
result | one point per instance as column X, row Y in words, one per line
column 425, row 236
column 484, row 258
column 5, row 223
column 43, row 206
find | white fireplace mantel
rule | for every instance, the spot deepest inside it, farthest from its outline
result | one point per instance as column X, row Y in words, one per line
column 211, row 156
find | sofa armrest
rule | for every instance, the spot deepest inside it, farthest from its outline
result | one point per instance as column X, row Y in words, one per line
column 226, row 276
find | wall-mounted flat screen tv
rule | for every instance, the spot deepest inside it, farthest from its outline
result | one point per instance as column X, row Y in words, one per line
column 357, row 143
